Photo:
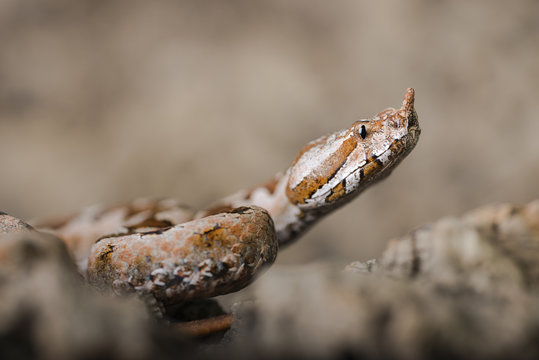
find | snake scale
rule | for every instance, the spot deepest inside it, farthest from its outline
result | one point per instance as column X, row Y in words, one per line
column 162, row 248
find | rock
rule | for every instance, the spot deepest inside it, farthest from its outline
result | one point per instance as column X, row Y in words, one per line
column 494, row 248
column 10, row 224
column 460, row 288
column 463, row 288
column 47, row 311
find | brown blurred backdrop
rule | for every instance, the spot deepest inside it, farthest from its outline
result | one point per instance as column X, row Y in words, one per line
column 105, row 101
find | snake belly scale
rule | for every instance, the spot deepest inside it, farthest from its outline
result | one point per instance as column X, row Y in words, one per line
column 162, row 248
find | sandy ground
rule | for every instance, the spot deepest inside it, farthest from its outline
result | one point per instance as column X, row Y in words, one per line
column 105, row 101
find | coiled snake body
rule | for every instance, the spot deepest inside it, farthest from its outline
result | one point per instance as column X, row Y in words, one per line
column 175, row 254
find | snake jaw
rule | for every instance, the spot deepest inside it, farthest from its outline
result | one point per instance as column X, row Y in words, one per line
column 333, row 169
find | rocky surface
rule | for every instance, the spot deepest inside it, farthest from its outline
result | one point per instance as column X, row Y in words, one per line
column 458, row 288
column 462, row 288
column 47, row 311
column 10, row 224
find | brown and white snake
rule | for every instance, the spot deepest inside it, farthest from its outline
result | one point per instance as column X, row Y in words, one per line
column 162, row 248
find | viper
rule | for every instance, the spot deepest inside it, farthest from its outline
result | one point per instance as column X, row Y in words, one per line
column 173, row 253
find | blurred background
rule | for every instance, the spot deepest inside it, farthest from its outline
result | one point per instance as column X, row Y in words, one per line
column 106, row 101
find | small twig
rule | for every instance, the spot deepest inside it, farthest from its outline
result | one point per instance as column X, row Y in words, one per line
column 204, row 327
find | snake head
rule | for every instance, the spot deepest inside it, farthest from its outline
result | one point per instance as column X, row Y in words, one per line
column 335, row 168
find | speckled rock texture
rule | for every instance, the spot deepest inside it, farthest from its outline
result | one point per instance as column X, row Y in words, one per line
column 10, row 224
column 462, row 288
column 47, row 312
column 459, row 288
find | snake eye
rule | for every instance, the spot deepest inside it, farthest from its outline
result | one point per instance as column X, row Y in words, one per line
column 363, row 132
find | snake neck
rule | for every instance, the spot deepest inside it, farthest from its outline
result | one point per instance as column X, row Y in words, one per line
column 289, row 220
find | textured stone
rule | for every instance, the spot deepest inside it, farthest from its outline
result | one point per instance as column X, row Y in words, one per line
column 46, row 310
column 458, row 288
column 10, row 224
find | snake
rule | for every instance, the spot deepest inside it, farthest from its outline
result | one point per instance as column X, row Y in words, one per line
column 165, row 249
